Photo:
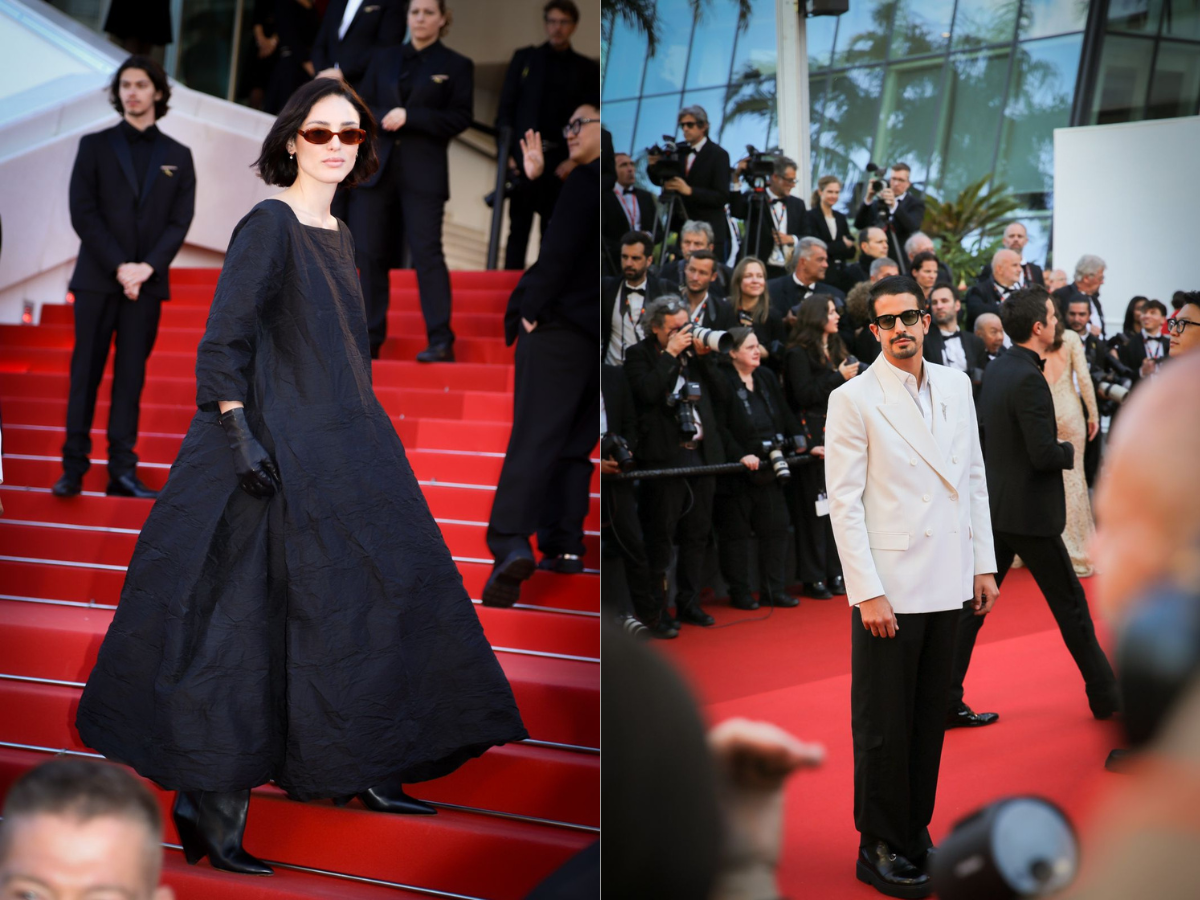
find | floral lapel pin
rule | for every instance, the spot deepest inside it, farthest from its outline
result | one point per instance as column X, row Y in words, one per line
column 370, row 9
column 438, row 79
column 169, row 171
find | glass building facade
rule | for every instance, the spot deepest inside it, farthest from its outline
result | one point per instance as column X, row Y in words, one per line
column 958, row 89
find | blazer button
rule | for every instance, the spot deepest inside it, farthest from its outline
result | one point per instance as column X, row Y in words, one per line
column 954, row 496
column 913, row 461
column 928, row 532
column 954, row 459
column 926, row 498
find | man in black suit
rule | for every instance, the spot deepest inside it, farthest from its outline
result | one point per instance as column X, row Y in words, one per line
column 624, row 209
column 872, row 245
column 350, row 31
column 622, row 300
column 811, row 263
column 693, row 236
column 989, row 329
column 1089, row 276
column 422, row 94
column 898, row 209
column 132, row 196
column 542, row 86
column 986, row 296
column 1015, row 238
column 919, row 242
column 1025, row 461
column 703, row 308
column 777, row 220
column 556, row 394
column 1148, row 347
column 675, row 434
column 947, row 344
column 703, row 188
column 1079, row 311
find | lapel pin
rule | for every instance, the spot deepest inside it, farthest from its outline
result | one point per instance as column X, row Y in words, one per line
column 169, row 171
column 944, row 412
column 438, row 79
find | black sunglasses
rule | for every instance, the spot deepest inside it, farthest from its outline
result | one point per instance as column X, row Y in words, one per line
column 909, row 317
column 324, row 135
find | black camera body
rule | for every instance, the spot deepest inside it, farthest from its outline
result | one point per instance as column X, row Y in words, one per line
column 615, row 446
column 1113, row 381
column 760, row 165
column 877, row 184
column 684, row 403
column 672, row 158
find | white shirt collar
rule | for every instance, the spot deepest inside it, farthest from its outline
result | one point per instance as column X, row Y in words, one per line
column 907, row 377
column 640, row 286
column 699, row 145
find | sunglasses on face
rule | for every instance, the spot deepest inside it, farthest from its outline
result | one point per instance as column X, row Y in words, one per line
column 1179, row 326
column 324, row 135
column 573, row 127
column 909, row 317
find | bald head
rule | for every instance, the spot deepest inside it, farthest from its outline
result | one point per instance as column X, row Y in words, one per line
column 1006, row 267
column 1146, row 525
column 989, row 329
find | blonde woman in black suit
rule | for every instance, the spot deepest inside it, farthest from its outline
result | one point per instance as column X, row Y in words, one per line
column 824, row 222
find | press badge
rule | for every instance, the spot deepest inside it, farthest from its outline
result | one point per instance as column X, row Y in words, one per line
column 822, row 505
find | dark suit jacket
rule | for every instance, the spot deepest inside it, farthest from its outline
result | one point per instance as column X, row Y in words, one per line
column 612, row 290
column 377, row 24
column 718, row 312
column 1065, row 294
column 910, row 213
column 981, row 298
column 1023, row 456
column 120, row 221
column 652, row 374
column 560, row 288
column 672, row 274
column 973, row 347
column 741, row 437
column 440, row 106
column 709, row 181
column 816, row 226
column 616, row 224
column 1033, row 274
column 785, row 293
column 1133, row 353
column 762, row 243
column 618, row 405
column 808, row 385
column 521, row 95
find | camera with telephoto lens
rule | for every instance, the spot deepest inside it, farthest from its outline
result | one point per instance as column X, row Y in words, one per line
column 672, row 158
column 616, row 447
column 684, row 403
column 773, row 451
column 1115, row 390
column 877, row 184
column 720, row 341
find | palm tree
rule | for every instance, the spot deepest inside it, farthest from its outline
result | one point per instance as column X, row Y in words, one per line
column 643, row 16
column 969, row 227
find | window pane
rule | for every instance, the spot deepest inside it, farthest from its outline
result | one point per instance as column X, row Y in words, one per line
column 756, row 49
column 922, row 26
column 862, row 33
column 1040, row 18
column 817, row 86
column 1183, row 21
column 1039, row 101
column 617, row 117
column 1037, row 225
column 847, row 127
column 976, row 84
column 818, row 38
column 1134, row 16
column 712, row 45
column 1120, row 94
column 912, row 100
column 1176, row 82
column 626, row 57
column 980, row 22
column 748, row 114
column 664, row 70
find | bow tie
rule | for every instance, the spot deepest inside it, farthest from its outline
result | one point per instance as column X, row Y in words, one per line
column 627, row 191
column 692, row 150
column 1157, row 339
column 775, row 200
column 957, row 336
column 1041, row 364
column 630, row 289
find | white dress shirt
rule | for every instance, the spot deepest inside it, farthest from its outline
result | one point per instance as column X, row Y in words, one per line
column 953, row 352
column 920, row 394
column 348, row 17
column 627, row 323
column 696, row 148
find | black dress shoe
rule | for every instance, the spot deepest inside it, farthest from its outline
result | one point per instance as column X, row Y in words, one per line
column 746, row 602
column 663, row 629
column 694, row 615
column 962, row 716
column 817, row 590
column 563, row 564
column 924, row 861
column 67, row 486
column 503, row 587
column 786, row 601
column 890, row 873
column 129, row 485
column 392, row 799
column 837, row 586
column 437, row 353
column 212, row 825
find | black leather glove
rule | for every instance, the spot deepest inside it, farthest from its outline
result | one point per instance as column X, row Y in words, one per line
column 255, row 469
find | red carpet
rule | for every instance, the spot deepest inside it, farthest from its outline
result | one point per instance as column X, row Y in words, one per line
column 793, row 669
column 507, row 819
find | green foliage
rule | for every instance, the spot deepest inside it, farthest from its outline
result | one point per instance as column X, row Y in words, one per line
column 968, row 229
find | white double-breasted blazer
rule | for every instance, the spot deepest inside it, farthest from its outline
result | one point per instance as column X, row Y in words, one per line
column 909, row 507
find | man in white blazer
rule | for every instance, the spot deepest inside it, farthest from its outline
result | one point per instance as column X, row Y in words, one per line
column 909, row 506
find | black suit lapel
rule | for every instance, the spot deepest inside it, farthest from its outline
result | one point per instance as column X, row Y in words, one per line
column 120, row 147
column 157, row 154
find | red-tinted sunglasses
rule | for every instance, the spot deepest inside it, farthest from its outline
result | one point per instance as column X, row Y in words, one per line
column 324, row 135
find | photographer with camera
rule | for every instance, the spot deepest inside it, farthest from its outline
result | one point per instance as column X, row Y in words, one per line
column 750, row 507
column 671, row 373
column 703, row 308
column 896, row 208
column 695, row 236
column 623, row 299
column 947, row 344
column 774, row 218
column 817, row 363
column 696, row 172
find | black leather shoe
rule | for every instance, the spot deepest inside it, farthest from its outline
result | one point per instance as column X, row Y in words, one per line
column 663, row 629
column 817, row 590
column 437, row 353
column 1104, row 707
column 837, row 586
column 129, row 485
column 786, row 601
column 924, row 862
column 212, row 825
column 563, row 564
column 694, row 615
column 67, row 486
column 890, row 873
column 503, row 587
column 391, row 799
column 962, row 716
column 743, row 602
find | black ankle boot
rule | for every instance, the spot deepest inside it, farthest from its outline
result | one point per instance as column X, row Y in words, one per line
column 390, row 798
column 212, row 824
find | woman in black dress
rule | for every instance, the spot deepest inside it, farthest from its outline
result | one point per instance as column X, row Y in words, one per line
column 816, row 365
column 291, row 612
column 752, row 309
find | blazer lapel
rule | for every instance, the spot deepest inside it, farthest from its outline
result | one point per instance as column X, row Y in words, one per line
column 904, row 416
column 120, row 147
column 157, row 154
column 945, row 412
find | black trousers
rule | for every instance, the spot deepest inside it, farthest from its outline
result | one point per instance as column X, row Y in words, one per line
column 816, row 552
column 681, row 510
column 371, row 222
column 621, row 544
column 1050, row 564
column 898, row 691
column 751, row 521
column 97, row 318
column 547, row 467
column 536, row 197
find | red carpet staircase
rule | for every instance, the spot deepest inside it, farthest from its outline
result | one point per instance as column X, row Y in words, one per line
column 505, row 820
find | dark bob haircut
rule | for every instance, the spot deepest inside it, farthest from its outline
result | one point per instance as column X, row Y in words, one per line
column 274, row 163
column 157, row 75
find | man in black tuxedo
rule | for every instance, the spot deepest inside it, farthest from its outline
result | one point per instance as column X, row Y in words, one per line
column 1089, row 276
column 947, row 344
column 132, row 196
column 1148, row 347
column 556, row 394
column 1025, row 461
column 1079, row 311
column 693, row 236
column 703, row 189
column 781, row 222
column 872, row 245
column 350, row 31
column 422, row 96
column 703, row 308
column 808, row 277
column 624, row 209
column 1015, row 238
column 986, row 296
column 542, row 86
column 622, row 300
column 898, row 209
column 989, row 329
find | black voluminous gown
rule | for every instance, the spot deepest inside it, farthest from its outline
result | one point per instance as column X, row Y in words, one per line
column 321, row 639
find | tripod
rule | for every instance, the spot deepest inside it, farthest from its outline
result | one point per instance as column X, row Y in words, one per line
column 667, row 211
column 758, row 220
